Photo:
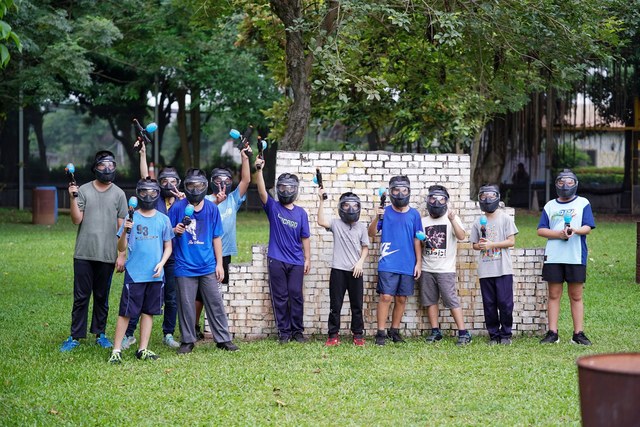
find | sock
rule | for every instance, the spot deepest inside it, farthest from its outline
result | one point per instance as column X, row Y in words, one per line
column 381, row 332
column 462, row 332
column 435, row 330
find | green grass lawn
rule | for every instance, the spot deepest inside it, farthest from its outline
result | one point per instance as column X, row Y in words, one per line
column 267, row 384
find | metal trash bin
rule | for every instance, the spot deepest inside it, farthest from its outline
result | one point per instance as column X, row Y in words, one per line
column 45, row 205
column 609, row 389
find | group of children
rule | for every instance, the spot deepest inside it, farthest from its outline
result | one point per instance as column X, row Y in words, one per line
column 180, row 245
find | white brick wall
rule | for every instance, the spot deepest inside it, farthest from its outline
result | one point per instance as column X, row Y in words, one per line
column 247, row 295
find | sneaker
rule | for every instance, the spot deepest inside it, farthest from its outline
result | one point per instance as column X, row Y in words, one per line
column 298, row 337
column 199, row 333
column 227, row 346
column 146, row 354
column 494, row 341
column 116, row 358
column 284, row 340
column 580, row 338
column 394, row 334
column 436, row 335
column 550, row 338
column 170, row 342
column 332, row 341
column 69, row 344
column 358, row 341
column 128, row 342
column 464, row 339
column 380, row 338
column 185, row 347
column 103, row 341
column 505, row 341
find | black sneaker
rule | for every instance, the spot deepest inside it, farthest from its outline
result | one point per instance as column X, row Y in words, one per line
column 494, row 341
column 464, row 339
column 185, row 347
column 227, row 346
column 298, row 337
column 380, row 338
column 199, row 333
column 550, row 338
column 283, row 340
column 395, row 336
column 436, row 335
column 505, row 341
column 146, row 355
column 580, row 338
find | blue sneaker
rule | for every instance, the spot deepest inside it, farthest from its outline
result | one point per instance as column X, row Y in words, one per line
column 128, row 342
column 69, row 344
column 103, row 341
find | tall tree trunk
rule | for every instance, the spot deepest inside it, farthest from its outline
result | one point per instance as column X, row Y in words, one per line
column 195, row 126
column 33, row 116
column 182, row 128
column 9, row 149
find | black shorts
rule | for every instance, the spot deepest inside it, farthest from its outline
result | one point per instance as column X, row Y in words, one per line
column 559, row 273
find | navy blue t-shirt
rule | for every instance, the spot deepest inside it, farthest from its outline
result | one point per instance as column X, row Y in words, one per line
column 287, row 228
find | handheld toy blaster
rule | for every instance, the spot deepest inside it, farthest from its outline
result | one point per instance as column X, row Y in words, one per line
column 243, row 139
column 317, row 179
column 133, row 204
column 188, row 213
column 143, row 133
column 483, row 226
column 382, row 192
column 421, row 236
column 70, row 170
column 567, row 224
column 262, row 145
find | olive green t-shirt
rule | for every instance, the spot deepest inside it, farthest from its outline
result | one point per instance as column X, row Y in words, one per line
column 96, row 239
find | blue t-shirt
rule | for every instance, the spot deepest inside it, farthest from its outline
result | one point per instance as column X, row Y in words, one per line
column 228, row 212
column 194, row 249
column 146, row 246
column 397, row 252
column 287, row 228
column 574, row 250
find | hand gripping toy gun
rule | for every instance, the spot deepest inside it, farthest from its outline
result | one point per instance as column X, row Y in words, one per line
column 143, row 134
column 567, row 224
column 483, row 226
column 70, row 170
column 382, row 192
column 243, row 139
column 188, row 213
column 262, row 145
column 133, row 204
column 317, row 179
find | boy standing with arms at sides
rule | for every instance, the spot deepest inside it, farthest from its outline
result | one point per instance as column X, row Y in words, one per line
column 289, row 254
column 198, row 253
column 99, row 207
column 443, row 229
column 493, row 236
column 400, row 263
column 148, row 239
column 565, row 222
column 168, row 180
column 350, row 250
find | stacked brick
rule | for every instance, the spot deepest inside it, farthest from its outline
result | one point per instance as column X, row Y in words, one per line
column 247, row 295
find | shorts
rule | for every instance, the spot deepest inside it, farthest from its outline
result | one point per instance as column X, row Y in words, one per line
column 436, row 285
column 395, row 284
column 559, row 273
column 141, row 298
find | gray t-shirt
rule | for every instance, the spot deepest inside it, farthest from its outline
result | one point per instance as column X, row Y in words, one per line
column 495, row 262
column 96, row 239
column 348, row 241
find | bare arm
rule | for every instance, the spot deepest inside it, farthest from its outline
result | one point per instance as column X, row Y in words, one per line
column 358, row 269
column 167, row 249
column 217, row 250
column 76, row 214
column 485, row 244
column 245, row 172
column 144, row 169
column 262, row 188
column 457, row 228
column 373, row 227
column 306, row 248
column 417, row 247
column 322, row 222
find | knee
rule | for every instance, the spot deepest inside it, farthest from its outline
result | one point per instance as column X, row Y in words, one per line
column 386, row 299
column 400, row 299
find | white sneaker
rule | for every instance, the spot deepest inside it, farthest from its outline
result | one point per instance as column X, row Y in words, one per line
column 128, row 342
column 169, row 341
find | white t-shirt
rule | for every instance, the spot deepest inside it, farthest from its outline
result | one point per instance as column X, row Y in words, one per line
column 441, row 245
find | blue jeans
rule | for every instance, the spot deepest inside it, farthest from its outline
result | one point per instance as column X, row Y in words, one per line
column 170, row 304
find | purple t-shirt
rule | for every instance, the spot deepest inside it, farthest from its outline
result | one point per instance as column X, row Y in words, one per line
column 287, row 228
column 194, row 249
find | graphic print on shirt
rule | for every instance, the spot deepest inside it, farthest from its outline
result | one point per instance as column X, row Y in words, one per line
column 436, row 241
column 191, row 229
column 287, row 222
column 560, row 214
column 492, row 254
column 226, row 213
column 384, row 250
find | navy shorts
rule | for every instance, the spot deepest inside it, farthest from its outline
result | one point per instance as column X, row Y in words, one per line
column 395, row 284
column 137, row 298
column 559, row 273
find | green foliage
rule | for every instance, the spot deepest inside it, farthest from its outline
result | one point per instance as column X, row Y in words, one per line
column 264, row 383
column 6, row 33
column 568, row 156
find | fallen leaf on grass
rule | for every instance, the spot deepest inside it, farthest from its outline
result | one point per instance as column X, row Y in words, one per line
column 168, row 371
column 316, row 371
column 281, row 403
column 53, row 412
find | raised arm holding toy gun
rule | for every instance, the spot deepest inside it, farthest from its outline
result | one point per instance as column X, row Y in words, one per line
column 317, row 179
column 262, row 145
column 143, row 134
column 70, row 171
column 243, row 138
